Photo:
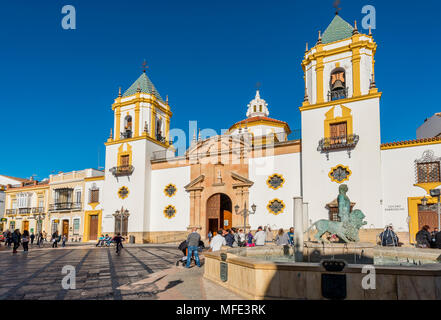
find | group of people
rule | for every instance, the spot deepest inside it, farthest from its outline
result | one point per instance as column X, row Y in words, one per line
column 237, row 238
column 106, row 241
column 16, row 238
column 427, row 239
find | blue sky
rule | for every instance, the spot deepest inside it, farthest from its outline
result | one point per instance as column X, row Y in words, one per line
column 57, row 85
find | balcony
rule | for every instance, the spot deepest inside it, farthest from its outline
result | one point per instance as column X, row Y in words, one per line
column 160, row 138
column 126, row 134
column 347, row 142
column 65, row 206
column 122, row 171
column 37, row 210
column 11, row 212
column 338, row 94
column 24, row 211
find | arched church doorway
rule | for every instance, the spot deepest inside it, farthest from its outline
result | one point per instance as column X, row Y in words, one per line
column 219, row 212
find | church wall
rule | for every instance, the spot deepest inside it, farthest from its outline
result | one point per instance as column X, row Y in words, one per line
column 365, row 181
column 179, row 177
column 399, row 179
column 260, row 169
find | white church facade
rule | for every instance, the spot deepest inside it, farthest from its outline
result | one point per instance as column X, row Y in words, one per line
column 155, row 196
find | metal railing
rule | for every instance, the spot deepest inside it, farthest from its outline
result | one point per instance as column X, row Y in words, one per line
column 11, row 211
column 122, row 171
column 126, row 134
column 24, row 210
column 336, row 143
column 38, row 210
column 337, row 94
column 65, row 206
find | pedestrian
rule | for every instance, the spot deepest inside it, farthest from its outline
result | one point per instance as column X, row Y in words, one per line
column 250, row 240
column 291, row 236
column 55, row 239
column 269, row 235
column 438, row 240
column 423, row 237
column 40, row 238
column 242, row 239
column 63, row 244
column 282, row 238
column 44, row 236
column 236, row 237
column 25, row 240
column 229, row 238
column 388, row 237
column 193, row 242
column 32, row 238
column 210, row 235
column 100, row 241
column 260, row 237
column 217, row 242
column 9, row 239
column 16, row 239
column 433, row 238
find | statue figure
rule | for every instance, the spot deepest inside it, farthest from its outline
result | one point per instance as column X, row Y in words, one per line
column 348, row 228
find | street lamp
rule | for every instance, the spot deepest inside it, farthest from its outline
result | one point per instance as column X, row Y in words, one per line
column 39, row 217
column 121, row 214
column 245, row 212
column 437, row 193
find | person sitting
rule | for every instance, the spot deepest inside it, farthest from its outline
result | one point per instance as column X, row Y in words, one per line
column 388, row 237
column 107, row 240
column 100, row 242
column 423, row 237
column 433, row 238
column 282, row 238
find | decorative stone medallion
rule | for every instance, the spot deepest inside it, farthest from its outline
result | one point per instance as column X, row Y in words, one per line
column 170, row 212
column 276, row 206
column 275, row 181
column 123, row 192
column 170, row 190
column 340, row 174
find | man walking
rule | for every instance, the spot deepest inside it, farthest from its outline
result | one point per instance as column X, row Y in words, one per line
column 55, row 239
column 32, row 238
column 16, row 239
column 193, row 243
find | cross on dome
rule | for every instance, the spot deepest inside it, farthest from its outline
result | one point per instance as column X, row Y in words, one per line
column 257, row 107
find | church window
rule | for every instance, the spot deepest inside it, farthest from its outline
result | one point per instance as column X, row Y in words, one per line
column 428, row 168
column 338, row 132
column 94, row 195
column 276, row 207
column 127, row 133
column 275, row 181
column 254, row 108
column 125, row 160
column 340, row 174
column 337, row 84
column 260, row 108
column 170, row 190
column 170, row 212
column 123, row 192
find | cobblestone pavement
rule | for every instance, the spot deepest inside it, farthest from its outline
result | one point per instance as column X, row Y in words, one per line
column 139, row 272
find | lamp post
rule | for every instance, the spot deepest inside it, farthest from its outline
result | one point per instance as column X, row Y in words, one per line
column 437, row 193
column 121, row 214
column 39, row 217
column 245, row 212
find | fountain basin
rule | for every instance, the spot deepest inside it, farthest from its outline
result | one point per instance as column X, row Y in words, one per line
column 248, row 273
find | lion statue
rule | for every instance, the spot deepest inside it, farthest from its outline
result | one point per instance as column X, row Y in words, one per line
column 348, row 228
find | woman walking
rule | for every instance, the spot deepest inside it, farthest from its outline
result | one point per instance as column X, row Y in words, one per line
column 25, row 240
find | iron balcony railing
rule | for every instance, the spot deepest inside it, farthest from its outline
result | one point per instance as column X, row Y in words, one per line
column 38, row 210
column 337, row 94
column 337, row 143
column 11, row 211
column 126, row 134
column 65, row 206
column 122, row 171
column 24, row 210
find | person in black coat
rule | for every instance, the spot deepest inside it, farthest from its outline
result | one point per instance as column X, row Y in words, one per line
column 229, row 238
column 423, row 237
column 438, row 240
column 388, row 237
column 16, row 239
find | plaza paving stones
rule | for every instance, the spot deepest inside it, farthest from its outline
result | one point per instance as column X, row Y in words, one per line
column 146, row 272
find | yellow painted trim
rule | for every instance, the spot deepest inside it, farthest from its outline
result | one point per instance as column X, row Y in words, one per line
column 86, row 223
column 319, row 78
column 124, row 153
column 335, row 168
column 269, row 178
column 93, row 205
column 271, row 211
column 26, row 188
column 166, row 187
column 152, row 122
column 135, row 100
column 427, row 186
column 143, row 137
column 123, row 197
column 262, row 123
column 412, row 203
column 94, row 178
column 117, row 133
column 165, row 210
column 410, row 144
column 356, row 75
column 330, row 119
column 137, row 109
column 347, row 100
